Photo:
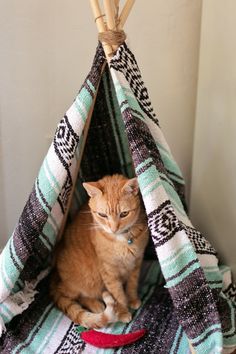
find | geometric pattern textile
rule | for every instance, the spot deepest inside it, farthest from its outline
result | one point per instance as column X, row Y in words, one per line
column 192, row 295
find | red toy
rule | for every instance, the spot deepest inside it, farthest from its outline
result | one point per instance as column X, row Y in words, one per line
column 107, row 340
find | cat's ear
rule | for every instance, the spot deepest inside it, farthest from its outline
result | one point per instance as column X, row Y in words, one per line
column 131, row 187
column 92, row 189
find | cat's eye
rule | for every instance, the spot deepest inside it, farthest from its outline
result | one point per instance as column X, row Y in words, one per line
column 102, row 215
column 124, row 214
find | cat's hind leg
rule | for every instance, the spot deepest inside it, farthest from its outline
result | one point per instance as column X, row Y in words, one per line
column 81, row 316
column 67, row 304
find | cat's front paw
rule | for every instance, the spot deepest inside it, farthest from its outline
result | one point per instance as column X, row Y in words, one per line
column 97, row 307
column 125, row 317
column 123, row 313
column 135, row 304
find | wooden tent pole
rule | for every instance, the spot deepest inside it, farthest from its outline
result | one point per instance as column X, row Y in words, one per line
column 110, row 14
column 109, row 9
column 116, row 7
column 98, row 16
column 125, row 13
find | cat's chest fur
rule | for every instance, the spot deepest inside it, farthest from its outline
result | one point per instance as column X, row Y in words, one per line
column 119, row 254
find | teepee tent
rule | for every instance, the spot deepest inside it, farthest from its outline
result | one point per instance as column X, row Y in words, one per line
column 111, row 128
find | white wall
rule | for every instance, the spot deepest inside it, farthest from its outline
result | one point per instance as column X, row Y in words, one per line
column 213, row 192
column 46, row 51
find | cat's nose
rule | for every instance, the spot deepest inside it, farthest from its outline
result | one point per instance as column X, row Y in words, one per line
column 114, row 227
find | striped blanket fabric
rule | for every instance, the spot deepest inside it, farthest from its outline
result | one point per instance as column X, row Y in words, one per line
column 186, row 295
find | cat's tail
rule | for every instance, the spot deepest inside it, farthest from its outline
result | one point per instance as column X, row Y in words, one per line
column 83, row 317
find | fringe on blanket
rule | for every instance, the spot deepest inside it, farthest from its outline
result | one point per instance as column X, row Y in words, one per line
column 20, row 301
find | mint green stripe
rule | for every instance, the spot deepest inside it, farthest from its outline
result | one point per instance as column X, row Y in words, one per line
column 7, row 286
column 19, row 285
column 147, row 177
column 46, row 209
column 160, row 146
column 44, row 206
column 170, row 158
column 174, row 255
column 151, row 189
column 5, row 319
column 172, row 195
column 170, row 164
column 45, row 186
column 45, row 242
column 54, row 222
column 50, row 233
column 213, row 276
column 50, row 324
column 8, row 314
column 143, row 164
column 85, row 97
column 91, row 85
column 176, row 207
column 82, row 114
column 9, row 271
column 30, row 335
column 119, row 93
column 133, row 104
column 7, row 310
column 171, row 192
column 224, row 269
column 203, row 334
column 124, row 106
column 51, row 175
column 124, row 94
column 230, row 342
column 211, row 267
column 178, row 279
column 177, row 336
column 87, row 100
column 184, row 345
column 215, row 286
column 177, row 265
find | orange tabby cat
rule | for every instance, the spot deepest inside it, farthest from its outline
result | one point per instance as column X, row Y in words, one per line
column 100, row 255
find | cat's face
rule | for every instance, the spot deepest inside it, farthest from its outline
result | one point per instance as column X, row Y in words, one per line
column 114, row 203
